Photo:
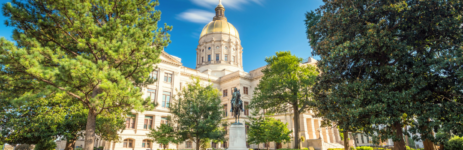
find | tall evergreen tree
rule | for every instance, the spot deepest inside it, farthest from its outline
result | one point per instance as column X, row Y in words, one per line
column 285, row 86
column 94, row 51
column 197, row 113
column 383, row 60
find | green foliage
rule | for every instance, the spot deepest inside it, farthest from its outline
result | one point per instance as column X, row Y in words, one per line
column 265, row 130
column 198, row 113
column 383, row 59
column 45, row 145
column 456, row 143
column 205, row 144
column 285, row 86
column 93, row 51
column 364, row 148
column 164, row 135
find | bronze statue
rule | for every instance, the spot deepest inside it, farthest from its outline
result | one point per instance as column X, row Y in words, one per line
column 237, row 105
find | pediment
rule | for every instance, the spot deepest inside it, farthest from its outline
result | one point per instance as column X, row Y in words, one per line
column 165, row 57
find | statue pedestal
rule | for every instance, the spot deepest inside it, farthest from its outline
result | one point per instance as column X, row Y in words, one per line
column 237, row 138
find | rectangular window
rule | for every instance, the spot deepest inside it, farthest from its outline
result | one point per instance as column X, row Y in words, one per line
column 225, row 112
column 148, row 124
column 266, row 145
column 202, row 59
column 154, row 75
column 165, row 99
column 233, row 59
column 168, row 77
column 245, row 90
column 246, row 111
column 217, row 57
column 226, row 57
column 130, row 122
column 224, row 145
column 189, row 144
column 208, row 57
column 152, row 94
column 164, row 120
column 226, row 131
column 214, row 145
column 247, row 145
column 225, row 93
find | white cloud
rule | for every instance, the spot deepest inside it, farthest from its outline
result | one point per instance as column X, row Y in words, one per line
column 234, row 4
column 196, row 16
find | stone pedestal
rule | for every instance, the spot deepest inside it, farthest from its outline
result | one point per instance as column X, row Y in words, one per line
column 237, row 138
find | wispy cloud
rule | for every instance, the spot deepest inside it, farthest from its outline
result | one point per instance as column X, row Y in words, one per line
column 234, row 4
column 196, row 16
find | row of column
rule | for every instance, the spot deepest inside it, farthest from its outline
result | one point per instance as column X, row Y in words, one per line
column 328, row 134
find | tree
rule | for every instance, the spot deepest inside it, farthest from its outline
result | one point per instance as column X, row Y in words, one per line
column 164, row 135
column 455, row 143
column 285, row 86
column 197, row 113
column 94, row 51
column 265, row 130
column 385, row 59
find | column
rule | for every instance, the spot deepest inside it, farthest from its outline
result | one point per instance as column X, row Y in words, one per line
column 326, row 134
column 317, row 128
column 310, row 129
column 337, row 135
column 331, row 133
column 159, row 87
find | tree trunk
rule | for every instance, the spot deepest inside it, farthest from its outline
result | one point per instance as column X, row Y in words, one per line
column 198, row 143
column 268, row 145
column 346, row 140
column 428, row 145
column 441, row 146
column 296, row 126
column 399, row 145
column 354, row 136
column 90, row 130
column 70, row 144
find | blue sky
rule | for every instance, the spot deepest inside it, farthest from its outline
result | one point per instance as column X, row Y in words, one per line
column 265, row 27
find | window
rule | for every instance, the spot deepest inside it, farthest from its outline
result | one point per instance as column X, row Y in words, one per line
column 225, row 112
column 130, row 122
column 225, row 93
column 226, row 131
column 128, row 143
column 266, row 145
column 214, row 145
column 226, row 47
column 217, row 47
column 166, row 146
column 224, row 144
column 247, row 128
column 202, row 59
column 165, row 99
column 152, row 94
column 233, row 59
column 247, row 145
column 148, row 124
column 226, row 57
column 245, row 89
column 216, row 57
column 209, row 48
column 189, row 144
column 208, row 57
column 168, row 77
column 146, row 144
column 164, row 120
column 154, row 75
column 246, row 111
column 361, row 136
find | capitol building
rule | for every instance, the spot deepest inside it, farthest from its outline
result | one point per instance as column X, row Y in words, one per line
column 219, row 62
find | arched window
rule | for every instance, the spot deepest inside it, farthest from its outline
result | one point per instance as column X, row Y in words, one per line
column 128, row 143
column 217, row 47
column 209, row 48
column 226, row 48
column 146, row 144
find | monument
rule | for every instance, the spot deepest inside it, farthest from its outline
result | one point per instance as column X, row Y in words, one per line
column 237, row 138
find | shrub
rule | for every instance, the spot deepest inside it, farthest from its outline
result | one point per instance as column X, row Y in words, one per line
column 304, row 148
column 364, row 148
column 456, row 143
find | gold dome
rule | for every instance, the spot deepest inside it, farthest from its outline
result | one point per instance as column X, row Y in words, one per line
column 220, row 26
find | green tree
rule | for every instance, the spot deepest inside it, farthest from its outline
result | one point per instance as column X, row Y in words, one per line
column 205, row 144
column 198, row 113
column 382, row 60
column 266, row 130
column 94, row 51
column 285, row 86
column 164, row 135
